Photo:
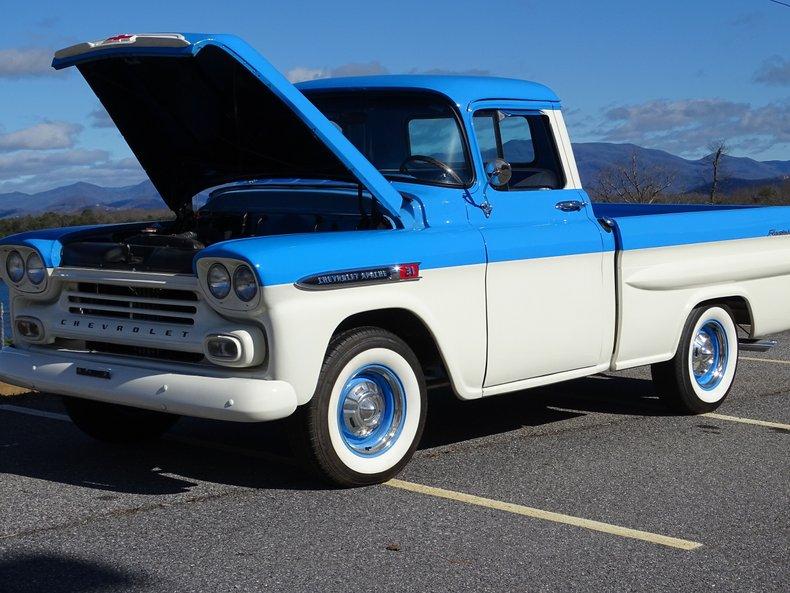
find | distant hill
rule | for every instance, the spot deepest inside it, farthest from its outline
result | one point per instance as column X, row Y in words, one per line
column 591, row 157
column 689, row 175
column 79, row 196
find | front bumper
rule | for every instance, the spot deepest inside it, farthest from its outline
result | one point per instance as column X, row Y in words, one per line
column 238, row 399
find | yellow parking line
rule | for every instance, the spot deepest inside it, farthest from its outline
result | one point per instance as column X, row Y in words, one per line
column 773, row 360
column 518, row 509
column 778, row 425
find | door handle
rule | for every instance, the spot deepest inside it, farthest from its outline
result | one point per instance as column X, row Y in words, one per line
column 570, row 205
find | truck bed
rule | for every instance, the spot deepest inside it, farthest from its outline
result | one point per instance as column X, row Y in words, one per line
column 671, row 258
column 642, row 226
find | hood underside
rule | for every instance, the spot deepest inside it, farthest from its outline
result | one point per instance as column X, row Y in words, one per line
column 210, row 110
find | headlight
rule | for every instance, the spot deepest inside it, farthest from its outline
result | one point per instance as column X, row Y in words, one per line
column 219, row 281
column 244, row 283
column 35, row 269
column 15, row 266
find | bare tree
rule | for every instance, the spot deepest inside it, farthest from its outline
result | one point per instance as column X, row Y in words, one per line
column 632, row 183
column 718, row 149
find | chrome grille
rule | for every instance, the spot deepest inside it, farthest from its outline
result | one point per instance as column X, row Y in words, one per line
column 139, row 303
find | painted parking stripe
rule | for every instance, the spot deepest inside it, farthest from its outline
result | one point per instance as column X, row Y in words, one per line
column 773, row 360
column 34, row 412
column 653, row 538
column 765, row 423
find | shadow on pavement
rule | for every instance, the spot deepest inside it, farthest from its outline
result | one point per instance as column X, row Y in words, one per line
column 56, row 451
column 50, row 573
column 451, row 421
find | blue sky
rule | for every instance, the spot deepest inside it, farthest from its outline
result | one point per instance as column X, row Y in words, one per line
column 674, row 75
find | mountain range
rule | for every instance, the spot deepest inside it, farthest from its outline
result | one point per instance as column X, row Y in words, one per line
column 592, row 158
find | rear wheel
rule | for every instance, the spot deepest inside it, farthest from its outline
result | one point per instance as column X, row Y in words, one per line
column 368, row 412
column 113, row 423
column 700, row 376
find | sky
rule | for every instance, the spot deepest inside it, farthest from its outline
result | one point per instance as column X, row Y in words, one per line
column 673, row 75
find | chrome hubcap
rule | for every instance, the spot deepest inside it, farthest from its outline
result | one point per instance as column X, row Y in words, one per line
column 709, row 354
column 703, row 354
column 363, row 408
column 371, row 410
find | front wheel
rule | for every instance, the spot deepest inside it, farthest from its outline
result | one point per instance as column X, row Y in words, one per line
column 367, row 415
column 702, row 372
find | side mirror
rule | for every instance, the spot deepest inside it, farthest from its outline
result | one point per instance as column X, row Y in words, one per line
column 498, row 172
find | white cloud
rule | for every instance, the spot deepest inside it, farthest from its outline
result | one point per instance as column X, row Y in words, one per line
column 775, row 71
column 34, row 171
column 99, row 118
column 302, row 73
column 26, row 62
column 688, row 125
column 43, row 136
column 31, row 162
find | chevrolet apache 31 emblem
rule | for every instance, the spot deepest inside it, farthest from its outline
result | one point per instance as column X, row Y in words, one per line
column 360, row 277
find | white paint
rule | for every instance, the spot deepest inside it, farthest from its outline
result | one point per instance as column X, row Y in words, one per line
column 189, row 394
column 450, row 302
column 659, row 287
column 549, row 315
column 563, row 141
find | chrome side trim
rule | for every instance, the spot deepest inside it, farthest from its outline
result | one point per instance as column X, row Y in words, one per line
column 360, row 277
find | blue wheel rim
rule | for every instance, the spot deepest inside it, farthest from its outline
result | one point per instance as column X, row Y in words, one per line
column 710, row 354
column 371, row 410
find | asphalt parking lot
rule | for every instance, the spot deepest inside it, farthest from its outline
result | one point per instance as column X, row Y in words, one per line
column 586, row 486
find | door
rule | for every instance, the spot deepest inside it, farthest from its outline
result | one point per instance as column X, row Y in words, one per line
column 548, row 303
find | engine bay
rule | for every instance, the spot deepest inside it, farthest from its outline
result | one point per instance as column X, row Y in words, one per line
column 233, row 213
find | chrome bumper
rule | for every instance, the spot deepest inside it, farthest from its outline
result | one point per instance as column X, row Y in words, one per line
column 236, row 399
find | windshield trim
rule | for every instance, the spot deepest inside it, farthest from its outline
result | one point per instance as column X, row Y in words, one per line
column 394, row 91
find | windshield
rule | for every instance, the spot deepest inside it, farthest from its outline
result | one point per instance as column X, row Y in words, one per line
column 408, row 136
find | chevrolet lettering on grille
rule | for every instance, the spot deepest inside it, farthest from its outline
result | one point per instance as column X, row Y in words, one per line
column 124, row 328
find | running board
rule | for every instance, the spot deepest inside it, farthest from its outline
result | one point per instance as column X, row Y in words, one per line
column 756, row 345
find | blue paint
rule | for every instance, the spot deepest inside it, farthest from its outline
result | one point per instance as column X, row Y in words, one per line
column 461, row 90
column 637, row 228
column 49, row 242
column 284, row 259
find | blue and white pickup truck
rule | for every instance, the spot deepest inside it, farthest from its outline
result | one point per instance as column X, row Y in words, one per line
column 365, row 238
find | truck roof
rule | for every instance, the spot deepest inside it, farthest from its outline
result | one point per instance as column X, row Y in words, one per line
column 462, row 90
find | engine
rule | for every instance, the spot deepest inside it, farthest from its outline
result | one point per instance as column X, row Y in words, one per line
column 171, row 246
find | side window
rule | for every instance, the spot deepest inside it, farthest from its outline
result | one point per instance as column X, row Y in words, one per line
column 517, row 144
column 526, row 142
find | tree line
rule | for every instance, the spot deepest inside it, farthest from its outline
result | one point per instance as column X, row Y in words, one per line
column 630, row 183
column 634, row 182
column 89, row 216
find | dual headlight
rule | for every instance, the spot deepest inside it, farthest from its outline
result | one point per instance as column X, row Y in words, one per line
column 243, row 282
column 16, row 267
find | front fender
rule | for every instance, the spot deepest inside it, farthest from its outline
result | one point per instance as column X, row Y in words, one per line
column 449, row 301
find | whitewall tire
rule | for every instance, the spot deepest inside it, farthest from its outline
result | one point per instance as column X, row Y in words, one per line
column 701, row 374
column 367, row 415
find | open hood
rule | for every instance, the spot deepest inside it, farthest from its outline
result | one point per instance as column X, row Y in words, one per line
column 202, row 110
